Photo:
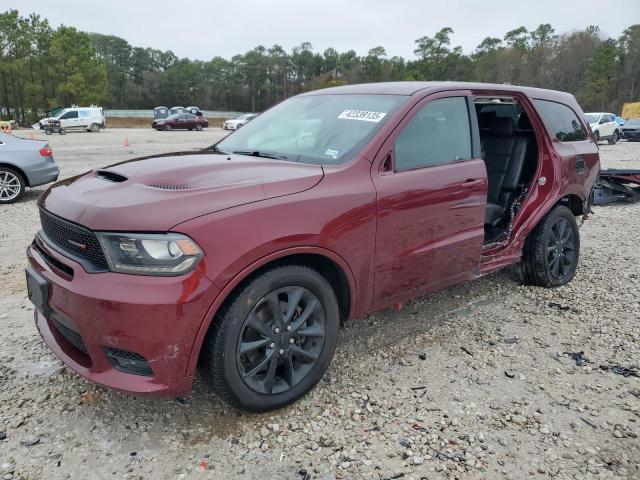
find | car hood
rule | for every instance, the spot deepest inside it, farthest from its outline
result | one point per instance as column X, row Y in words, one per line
column 157, row 193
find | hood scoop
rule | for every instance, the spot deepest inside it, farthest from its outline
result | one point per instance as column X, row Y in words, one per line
column 111, row 176
column 170, row 187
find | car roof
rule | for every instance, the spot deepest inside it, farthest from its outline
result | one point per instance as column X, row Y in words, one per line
column 411, row 88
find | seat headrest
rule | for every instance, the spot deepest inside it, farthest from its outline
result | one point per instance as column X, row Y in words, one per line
column 524, row 123
column 485, row 120
column 502, row 126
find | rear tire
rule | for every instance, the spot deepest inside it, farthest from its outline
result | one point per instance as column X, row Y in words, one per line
column 12, row 185
column 614, row 138
column 597, row 136
column 286, row 354
column 552, row 249
column 62, row 131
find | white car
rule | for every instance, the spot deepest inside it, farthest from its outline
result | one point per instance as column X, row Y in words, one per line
column 236, row 123
column 604, row 126
column 90, row 119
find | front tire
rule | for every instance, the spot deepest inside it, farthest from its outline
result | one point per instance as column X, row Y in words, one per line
column 94, row 128
column 168, row 128
column 12, row 185
column 614, row 138
column 552, row 250
column 199, row 127
column 273, row 341
column 597, row 137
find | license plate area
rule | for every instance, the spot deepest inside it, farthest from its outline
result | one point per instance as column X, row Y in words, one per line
column 38, row 290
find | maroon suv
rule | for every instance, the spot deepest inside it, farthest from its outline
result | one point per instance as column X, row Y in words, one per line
column 244, row 258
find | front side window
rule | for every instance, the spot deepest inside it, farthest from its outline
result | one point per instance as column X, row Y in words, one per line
column 320, row 129
column 439, row 133
column 561, row 120
column 68, row 115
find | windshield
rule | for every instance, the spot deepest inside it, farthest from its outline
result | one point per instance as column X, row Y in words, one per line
column 320, row 129
column 592, row 117
column 634, row 122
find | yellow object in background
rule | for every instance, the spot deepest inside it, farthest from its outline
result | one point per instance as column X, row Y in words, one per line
column 631, row 110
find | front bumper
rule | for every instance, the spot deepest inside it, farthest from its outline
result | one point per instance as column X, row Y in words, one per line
column 155, row 318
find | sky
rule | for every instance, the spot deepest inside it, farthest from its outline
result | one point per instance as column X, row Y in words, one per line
column 205, row 29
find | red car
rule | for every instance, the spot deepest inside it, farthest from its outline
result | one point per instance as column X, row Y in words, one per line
column 181, row 121
column 243, row 259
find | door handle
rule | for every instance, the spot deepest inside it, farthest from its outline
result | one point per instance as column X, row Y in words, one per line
column 472, row 182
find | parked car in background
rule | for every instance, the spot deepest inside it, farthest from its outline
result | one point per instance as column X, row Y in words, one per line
column 181, row 121
column 90, row 119
column 631, row 130
column 604, row 126
column 244, row 258
column 24, row 163
column 236, row 123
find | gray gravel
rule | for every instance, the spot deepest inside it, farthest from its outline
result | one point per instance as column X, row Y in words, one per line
column 474, row 382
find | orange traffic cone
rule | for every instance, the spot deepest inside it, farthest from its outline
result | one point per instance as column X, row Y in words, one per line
column 126, row 142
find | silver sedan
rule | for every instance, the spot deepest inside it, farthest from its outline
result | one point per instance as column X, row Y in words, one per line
column 24, row 163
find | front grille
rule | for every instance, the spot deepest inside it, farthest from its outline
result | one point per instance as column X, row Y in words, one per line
column 77, row 240
column 70, row 336
column 129, row 362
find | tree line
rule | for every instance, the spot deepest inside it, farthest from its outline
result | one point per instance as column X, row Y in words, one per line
column 43, row 67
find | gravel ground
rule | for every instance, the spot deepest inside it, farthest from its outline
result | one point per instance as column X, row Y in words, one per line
column 474, row 382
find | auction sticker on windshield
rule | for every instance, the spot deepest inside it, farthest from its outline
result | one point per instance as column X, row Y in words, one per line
column 362, row 115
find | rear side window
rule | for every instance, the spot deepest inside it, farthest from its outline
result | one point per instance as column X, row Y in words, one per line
column 438, row 134
column 561, row 120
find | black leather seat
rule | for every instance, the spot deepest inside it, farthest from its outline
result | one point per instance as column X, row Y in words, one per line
column 504, row 154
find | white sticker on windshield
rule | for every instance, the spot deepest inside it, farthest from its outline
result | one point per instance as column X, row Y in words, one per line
column 362, row 115
column 330, row 152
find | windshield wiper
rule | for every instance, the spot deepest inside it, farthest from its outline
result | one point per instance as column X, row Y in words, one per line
column 257, row 153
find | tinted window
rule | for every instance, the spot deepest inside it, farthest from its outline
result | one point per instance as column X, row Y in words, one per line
column 73, row 114
column 439, row 133
column 84, row 114
column 561, row 120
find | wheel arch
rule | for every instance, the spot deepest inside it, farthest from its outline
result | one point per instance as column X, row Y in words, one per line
column 24, row 176
column 574, row 202
column 328, row 263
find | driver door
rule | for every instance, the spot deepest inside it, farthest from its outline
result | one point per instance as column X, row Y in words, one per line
column 431, row 199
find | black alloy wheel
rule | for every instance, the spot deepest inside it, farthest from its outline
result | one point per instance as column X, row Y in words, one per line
column 281, row 340
column 551, row 251
column 561, row 250
column 273, row 339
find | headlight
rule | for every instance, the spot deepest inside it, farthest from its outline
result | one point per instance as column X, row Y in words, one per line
column 166, row 254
